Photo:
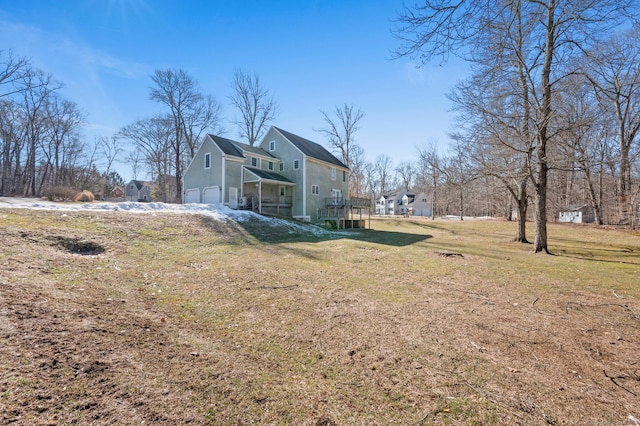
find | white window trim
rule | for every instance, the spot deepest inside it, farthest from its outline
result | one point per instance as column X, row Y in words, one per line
column 272, row 146
column 296, row 164
column 207, row 156
column 333, row 173
column 315, row 189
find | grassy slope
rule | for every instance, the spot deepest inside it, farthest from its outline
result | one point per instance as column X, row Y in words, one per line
column 228, row 324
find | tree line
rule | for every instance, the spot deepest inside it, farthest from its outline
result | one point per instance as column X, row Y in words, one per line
column 41, row 146
column 549, row 118
column 551, row 112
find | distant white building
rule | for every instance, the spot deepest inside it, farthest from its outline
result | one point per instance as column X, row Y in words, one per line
column 576, row 214
column 403, row 203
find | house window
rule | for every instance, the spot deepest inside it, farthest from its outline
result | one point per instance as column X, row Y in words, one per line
column 344, row 176
column 315, row 189
column 282, row 167
column 270, row 165
column 333, row 173
column 296, row 164
column 272, row 146
column 254, row 162
column 207, row 160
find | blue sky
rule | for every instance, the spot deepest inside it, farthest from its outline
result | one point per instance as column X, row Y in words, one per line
column 311, row 55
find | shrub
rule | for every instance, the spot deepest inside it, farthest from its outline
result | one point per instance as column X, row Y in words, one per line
column 85, row 196
column 59, row 193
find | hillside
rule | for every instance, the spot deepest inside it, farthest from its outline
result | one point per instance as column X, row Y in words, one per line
column 115, row 317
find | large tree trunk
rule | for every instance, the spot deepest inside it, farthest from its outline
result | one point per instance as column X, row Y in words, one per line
column 593, row 199
column 542, row 167
column 540, row 242
column 521, row 236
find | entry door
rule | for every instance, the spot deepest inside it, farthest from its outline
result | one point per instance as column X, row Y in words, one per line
column 283, row 194
column 336, row 194
column 233, row 197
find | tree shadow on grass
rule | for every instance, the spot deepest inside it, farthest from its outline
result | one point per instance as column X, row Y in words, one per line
column 277, row 231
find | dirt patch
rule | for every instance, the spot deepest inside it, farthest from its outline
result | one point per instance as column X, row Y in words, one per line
column 77, row 246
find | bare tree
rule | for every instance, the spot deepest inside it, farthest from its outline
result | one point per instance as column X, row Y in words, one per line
column 255, row 104
column 494, row 116
column 486, row 31
column 341, row 129
column 110, row 150
column 40, row 87
column 12, row 72
column 613, row 68
column 191, row 115
column 10, row 144
column 60, row 144
column 385, row 173
column 370, row 178
column 458, row 171
column 405, row 170
column 152, row 141
column 429, row 172
column 356, row 174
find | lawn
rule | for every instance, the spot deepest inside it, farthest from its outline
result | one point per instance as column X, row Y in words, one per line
column 122, row 318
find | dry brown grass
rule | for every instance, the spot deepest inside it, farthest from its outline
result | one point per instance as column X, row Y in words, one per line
column 84, row 196
column 175, row 318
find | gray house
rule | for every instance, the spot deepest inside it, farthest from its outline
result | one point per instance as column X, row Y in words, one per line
column 138, row 190
column 285, row 175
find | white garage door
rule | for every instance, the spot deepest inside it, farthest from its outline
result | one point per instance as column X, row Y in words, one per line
column 211, row 195
column 192, row 196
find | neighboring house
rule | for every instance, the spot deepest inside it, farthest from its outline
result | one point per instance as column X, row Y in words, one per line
column 397, row 203
column 284, row 175
column 117, row 192
column 576, row 214
column 138, row 190
column 421, row 205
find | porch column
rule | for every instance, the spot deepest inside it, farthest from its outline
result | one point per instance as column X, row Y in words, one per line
column 260, row 197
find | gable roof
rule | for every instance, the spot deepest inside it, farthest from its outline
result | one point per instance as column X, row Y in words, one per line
column 227, row 146
column 311, row 149
column 140, row 184
column 264, row 174
column 253, row 150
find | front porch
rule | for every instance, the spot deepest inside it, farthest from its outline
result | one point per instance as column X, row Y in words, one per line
column 267, row 193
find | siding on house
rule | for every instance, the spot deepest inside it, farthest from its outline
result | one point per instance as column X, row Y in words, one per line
column 285, row 170
column 225, row 168
column 314, row 168
column 288, row 153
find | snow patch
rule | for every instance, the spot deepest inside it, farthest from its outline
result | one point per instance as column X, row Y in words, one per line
column 215, row 211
